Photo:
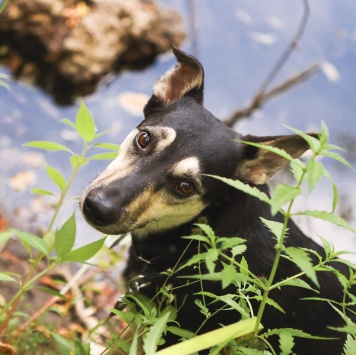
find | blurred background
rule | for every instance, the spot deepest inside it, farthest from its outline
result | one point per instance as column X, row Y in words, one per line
column 237, row 41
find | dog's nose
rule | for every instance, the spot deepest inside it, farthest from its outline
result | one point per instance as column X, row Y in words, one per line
column 100, row 208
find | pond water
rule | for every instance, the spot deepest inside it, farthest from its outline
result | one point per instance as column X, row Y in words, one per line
column 238, row 42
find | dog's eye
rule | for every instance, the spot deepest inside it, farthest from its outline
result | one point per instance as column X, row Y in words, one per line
column 143, row 139
column 186, row 188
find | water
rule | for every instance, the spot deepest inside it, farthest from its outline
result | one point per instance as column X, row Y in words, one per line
column 237, row 42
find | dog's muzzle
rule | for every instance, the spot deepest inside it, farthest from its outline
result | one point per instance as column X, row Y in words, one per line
column 100, row 206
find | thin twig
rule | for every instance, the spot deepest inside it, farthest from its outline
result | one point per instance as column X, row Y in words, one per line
column 293, row 44
column 262, row 96
column 259, row 101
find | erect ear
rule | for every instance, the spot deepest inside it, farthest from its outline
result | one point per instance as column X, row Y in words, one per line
column 185, row 79
column 258, row 164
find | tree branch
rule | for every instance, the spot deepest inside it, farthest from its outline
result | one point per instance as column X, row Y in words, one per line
column 262, row 95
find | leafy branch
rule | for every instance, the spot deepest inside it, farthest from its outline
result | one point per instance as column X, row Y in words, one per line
column 61, row 240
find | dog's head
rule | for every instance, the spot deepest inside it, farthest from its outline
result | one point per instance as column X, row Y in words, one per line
column 158, row 181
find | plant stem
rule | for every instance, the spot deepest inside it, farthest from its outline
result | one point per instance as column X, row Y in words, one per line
column 2, row 6
column 16, row 299
column 51, row 301
column 279, row 248
column 28, row 281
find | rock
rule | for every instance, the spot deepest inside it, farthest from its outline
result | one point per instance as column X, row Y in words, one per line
column 67, row 46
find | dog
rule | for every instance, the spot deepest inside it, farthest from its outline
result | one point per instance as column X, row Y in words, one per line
column 160, row 186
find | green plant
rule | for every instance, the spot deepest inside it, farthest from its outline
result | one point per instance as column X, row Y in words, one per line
column 223, row 252
column 223, row 259
column 56, row 247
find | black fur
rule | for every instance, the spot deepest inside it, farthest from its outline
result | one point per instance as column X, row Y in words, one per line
column 230, row 213
column 240, row 216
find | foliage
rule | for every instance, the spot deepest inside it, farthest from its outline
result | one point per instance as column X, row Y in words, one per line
column 56, row 246
column 221, row 257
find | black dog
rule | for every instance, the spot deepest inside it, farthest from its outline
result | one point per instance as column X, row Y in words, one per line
column 157, row 189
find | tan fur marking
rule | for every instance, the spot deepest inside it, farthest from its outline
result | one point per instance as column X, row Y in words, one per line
column 165, row 137
column 154, row 212
column 119, row 168
column 162, row 214
column 177, row 81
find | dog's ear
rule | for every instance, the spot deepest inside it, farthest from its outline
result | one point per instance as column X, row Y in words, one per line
column 185, row 79
column 258, row 164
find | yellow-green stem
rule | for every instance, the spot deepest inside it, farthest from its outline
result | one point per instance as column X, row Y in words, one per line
column 28, row 281
column 279, row 249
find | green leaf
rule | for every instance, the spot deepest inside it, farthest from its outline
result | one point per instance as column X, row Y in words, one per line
column 350, row 328
column 126, row 316
column 315, row 171
column 5, row 277
column 339, row 158
column 186, row 334
column 52, row 292
column 294, row 332
column 81, row 349
column 108, row 146
column 56, row 177
column 144, row 302
column 4, row 237
column 239, row 185
column 297, row 168
column 216, row 276
column 37, row 191
column 104, row 156
column 203, row 309
column 271, row 302
column 238, row 249
column 275, row 227
column 281, row 195
column 211, row 257
column 327, row 216
column 244, row 270
column 324, row 136
column 32, row 240
column 314, row 143
column 228, row 275
column 302, row 259
column 153, row 336
column 48, row 239
column 65, row 345
column 77, row 161
column 196, row 258
column 328, row 248
column 200, row 238
column 84, row 253
column 350, row 345
column 296, row 283
column 84, row 123
column 250, row 351
column 229, row 300
column 227, row 243
column 210, row 339
column 133, row 347
column 335, row 197
column 47, row 146
column 271, row 149
column 68, row 122
column 65, row 237
column 286, row 342
column 207, row 230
